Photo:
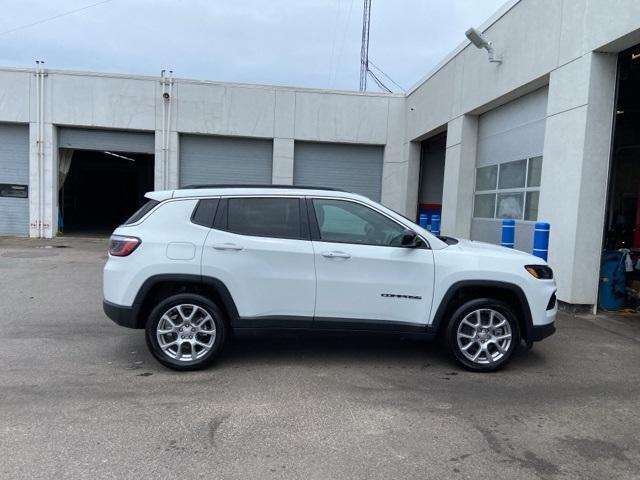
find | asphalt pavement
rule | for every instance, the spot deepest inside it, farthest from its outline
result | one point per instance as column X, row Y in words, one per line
column 82, row 398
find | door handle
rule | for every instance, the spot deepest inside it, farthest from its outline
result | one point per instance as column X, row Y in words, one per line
column 336, row 255
column 227, row 246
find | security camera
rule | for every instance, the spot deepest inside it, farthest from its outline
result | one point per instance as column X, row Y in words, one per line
column 166, row 95
column 479, row 41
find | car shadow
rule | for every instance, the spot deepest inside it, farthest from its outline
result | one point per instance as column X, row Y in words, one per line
column 336, row 348
column 343, row 350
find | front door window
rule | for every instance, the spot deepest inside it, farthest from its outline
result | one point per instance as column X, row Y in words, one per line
column 342, row 221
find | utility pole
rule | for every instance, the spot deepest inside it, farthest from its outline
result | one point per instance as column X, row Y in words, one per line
column 364, row 50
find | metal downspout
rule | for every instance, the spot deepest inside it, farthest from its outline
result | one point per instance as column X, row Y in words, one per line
column 38, row 119
column 168, row 132
column 42, row 152
column 164, row 133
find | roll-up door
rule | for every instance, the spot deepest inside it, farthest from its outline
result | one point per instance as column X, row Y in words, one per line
column 354, row 168
column 208, row 159
column 508, row 173
column 14, row 180
column 106, row 140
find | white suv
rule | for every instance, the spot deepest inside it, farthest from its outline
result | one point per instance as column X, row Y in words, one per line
column 195, row 264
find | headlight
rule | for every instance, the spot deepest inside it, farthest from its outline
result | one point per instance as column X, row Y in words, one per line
column 541, row 272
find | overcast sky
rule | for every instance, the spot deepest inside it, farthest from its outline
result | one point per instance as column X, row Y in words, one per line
column 284, row 42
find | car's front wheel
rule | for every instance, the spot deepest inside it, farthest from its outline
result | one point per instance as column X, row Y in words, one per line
column 483, row 334
column 186, row 332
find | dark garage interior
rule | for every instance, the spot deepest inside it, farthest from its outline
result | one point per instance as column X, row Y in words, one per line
column 622, row 217
column 102, row 189
column 620, row 271
column 431, row 182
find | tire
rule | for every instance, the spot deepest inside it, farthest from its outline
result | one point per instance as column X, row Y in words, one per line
column 194, row 329
column 483, row 334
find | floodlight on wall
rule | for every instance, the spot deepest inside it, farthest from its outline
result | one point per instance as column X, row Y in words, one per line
column 479, row 41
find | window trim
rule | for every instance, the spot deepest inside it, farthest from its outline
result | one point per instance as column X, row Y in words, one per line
column 221, row 221
column 497, row 191
column 315, row 228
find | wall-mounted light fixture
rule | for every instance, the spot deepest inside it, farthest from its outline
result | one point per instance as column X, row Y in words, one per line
column 479, row 41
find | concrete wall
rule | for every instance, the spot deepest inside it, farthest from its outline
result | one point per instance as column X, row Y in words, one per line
column 575, row 171
column 135, row 103
column 534, row 37
column 569, row 46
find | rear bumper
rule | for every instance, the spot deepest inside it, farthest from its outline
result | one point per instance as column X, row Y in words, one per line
column 539, row 332
column 123, row 316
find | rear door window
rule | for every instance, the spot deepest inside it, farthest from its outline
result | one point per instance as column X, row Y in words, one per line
column 205, row 212
column 263, row 217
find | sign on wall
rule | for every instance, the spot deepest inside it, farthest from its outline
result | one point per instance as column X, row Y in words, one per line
column 14, row 191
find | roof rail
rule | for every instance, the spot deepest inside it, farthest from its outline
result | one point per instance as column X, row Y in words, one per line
column 292, row 187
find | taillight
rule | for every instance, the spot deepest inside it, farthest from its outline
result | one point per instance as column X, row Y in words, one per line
column 120, row 246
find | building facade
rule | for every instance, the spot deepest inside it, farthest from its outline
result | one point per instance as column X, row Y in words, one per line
column 529, row 138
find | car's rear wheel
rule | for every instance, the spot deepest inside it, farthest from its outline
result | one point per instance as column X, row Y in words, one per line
column 483, row 334
column 186, row 332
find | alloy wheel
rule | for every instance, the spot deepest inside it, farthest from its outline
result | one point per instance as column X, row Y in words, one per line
column 484, row 336
column 186, row 332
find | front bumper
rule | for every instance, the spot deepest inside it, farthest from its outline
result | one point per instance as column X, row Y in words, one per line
column 545, row 326
column 539, row 332
column 123, row 316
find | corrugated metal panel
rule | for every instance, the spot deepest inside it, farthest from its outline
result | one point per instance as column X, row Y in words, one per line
column 14, row 169
column 109, row 140
column 513, row 131
column 223, row 160
column 355, row 168
column 490, row 231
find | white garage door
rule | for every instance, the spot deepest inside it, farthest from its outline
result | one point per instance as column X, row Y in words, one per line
column 106, row 140
column 224, row 160
column 508, row 167
column 354, row 168
column 14, row 180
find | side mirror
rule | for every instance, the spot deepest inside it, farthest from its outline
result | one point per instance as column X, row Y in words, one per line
column 409, row 239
